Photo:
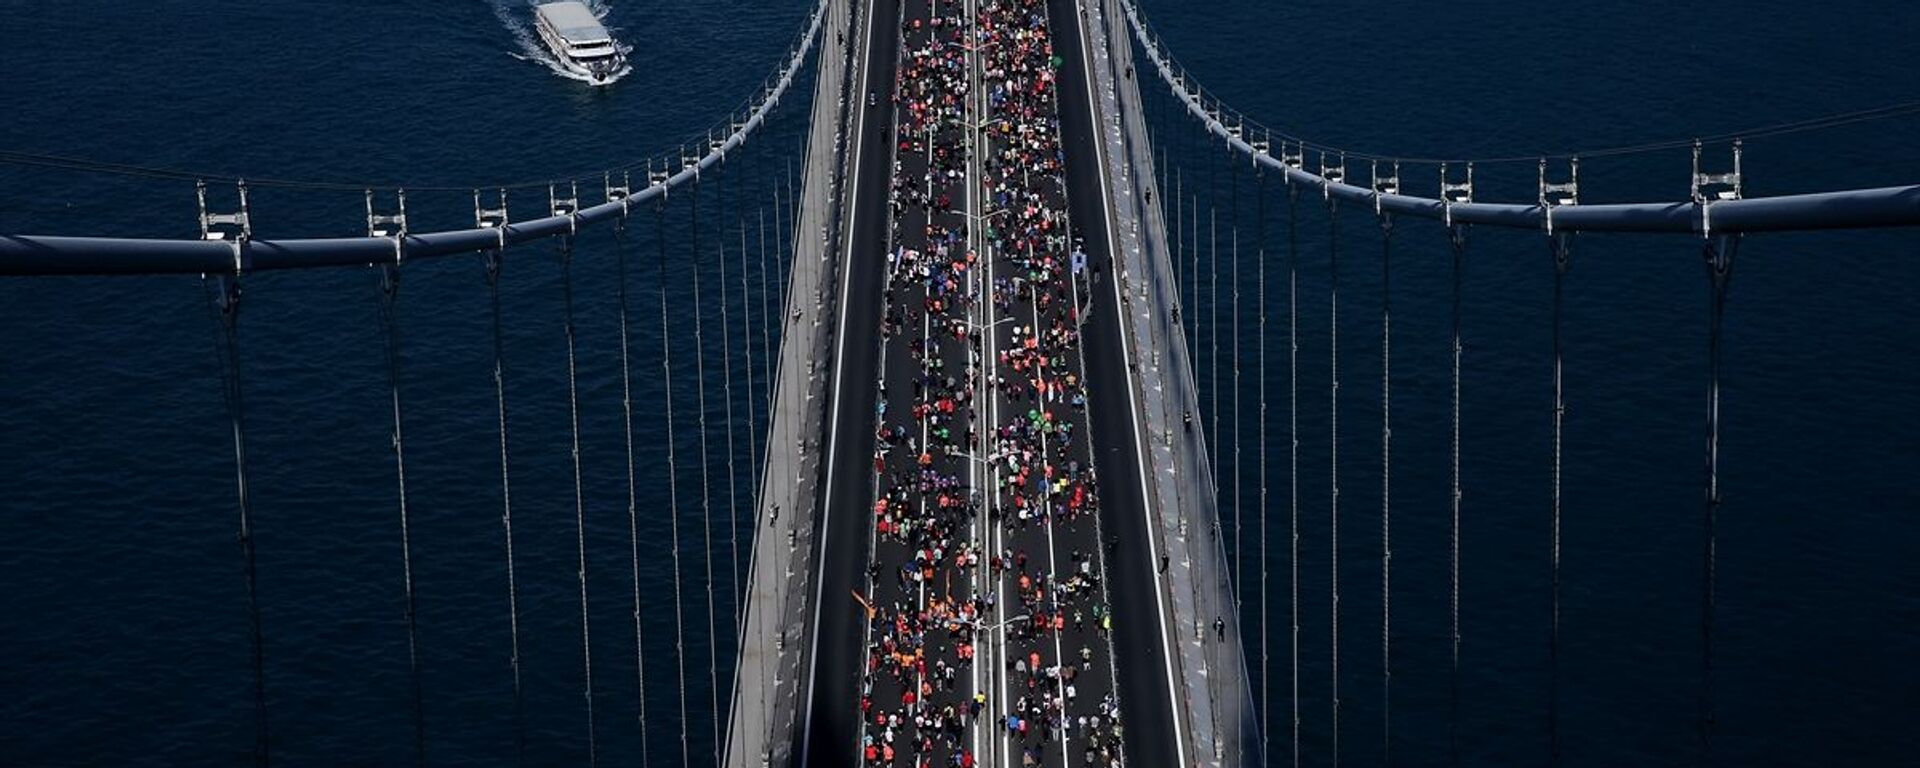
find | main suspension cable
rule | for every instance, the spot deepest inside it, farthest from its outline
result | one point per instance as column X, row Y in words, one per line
column 389, row 291
column 579, row 496
column 227, row 304
column 673, row 481
column 764, row 103
column 1177, row 76
column 633, row 497
column 492, row 263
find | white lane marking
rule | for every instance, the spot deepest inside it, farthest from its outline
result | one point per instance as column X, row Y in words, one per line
column 976, row 471
column 1053, row 571
column 988, row 361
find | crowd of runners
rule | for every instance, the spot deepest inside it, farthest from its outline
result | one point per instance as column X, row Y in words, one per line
column 1045, row 490
column 926, row 602
column 985, row 546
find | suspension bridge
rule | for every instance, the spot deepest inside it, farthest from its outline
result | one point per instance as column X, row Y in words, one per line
column 978, row 346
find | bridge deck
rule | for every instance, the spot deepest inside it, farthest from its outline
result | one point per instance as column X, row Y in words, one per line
column 829, row 725
column 770, row 669
column 993, row 253
column 1048, row 490
column 923, row 560
column 1210, row 671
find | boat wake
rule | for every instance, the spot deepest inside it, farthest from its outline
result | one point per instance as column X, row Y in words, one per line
column 514, row 15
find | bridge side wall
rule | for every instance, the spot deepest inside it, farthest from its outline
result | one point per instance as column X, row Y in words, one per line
column 1218, row 711
column 773, row 637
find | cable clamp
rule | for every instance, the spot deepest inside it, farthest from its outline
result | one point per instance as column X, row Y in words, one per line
column 568, row 206
column 236, row 226
column 1452, row 193
column 1293, row 156
column 658, row 179
column 616, row 193
column 1710, row 188
column 393, row 225
column 1383, row 185
column 621, row 193
column 1331, row 174
column 492, row 218
column 1556, row 194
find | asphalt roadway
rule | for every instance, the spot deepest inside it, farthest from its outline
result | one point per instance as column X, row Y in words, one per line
column 829, row 731
column 1056, row 548
column 928, row 410
column 830, row 724
column 1145, row 693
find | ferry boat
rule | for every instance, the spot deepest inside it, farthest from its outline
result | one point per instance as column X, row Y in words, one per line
column 578, row 40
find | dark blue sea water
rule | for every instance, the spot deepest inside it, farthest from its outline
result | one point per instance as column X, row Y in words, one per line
column 125, row 631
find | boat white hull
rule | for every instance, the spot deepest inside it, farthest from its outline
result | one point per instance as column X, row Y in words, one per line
column 598, row 71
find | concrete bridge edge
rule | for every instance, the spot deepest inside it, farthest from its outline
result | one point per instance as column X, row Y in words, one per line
column 769, row 680
column 1218, row 709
